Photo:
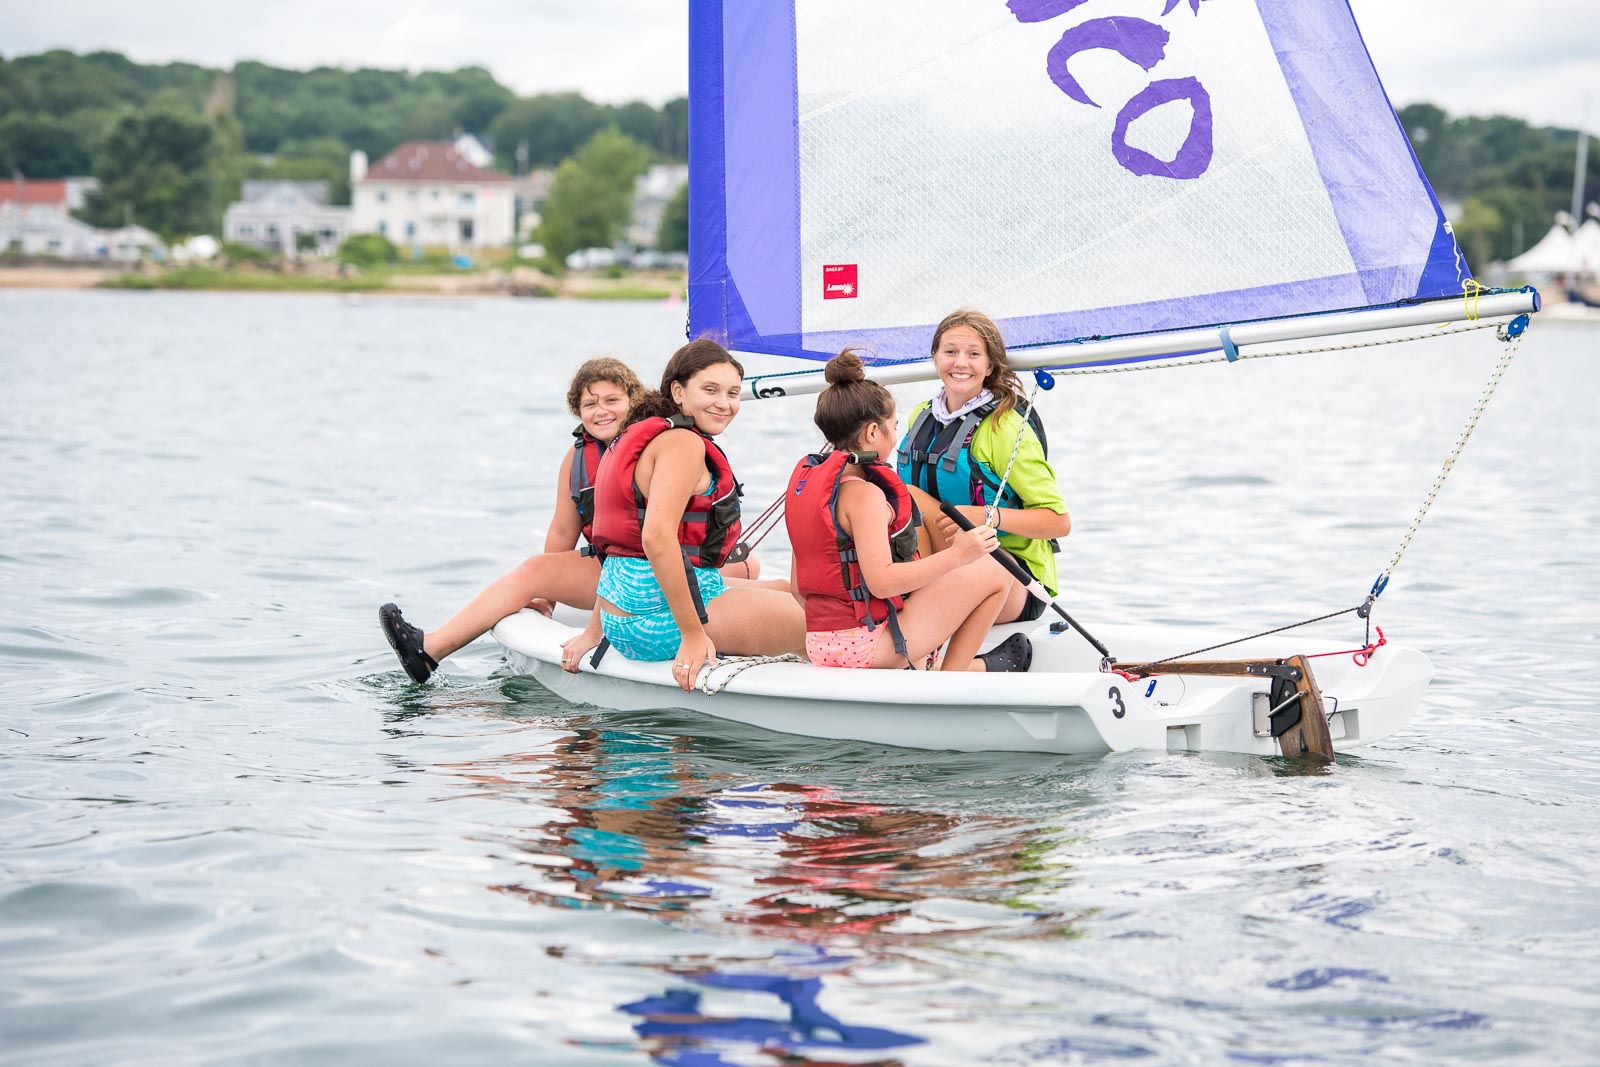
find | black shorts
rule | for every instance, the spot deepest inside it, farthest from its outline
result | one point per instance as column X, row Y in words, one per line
column 1032, row 609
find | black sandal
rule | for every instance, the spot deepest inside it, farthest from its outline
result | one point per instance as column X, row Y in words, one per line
column 406, row 640
column 1015, row 653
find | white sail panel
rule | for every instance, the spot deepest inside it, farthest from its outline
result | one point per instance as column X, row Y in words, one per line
column 951, row 170
column 1076, row 168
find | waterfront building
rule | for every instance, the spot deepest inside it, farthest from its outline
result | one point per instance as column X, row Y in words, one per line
column 275, row 214
column 428, row 194
column 47, row 230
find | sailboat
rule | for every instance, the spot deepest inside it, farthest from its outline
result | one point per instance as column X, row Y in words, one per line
column 1119, row 183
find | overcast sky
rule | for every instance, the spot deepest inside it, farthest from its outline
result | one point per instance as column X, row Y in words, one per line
column 1536, row 60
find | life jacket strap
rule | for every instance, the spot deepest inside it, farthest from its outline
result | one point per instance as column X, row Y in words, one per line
column 895, row 632
column 694, row 587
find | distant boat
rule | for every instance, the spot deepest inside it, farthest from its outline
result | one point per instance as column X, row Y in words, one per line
column 1257, row 190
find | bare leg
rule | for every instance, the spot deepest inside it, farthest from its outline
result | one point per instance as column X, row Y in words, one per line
column 929, row 539
column 750, row 621
column 1016, row 600
column 747, row 569
column 960, row 606
column 560, row 576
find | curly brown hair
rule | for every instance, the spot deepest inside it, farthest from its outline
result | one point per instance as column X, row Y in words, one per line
column 1001, row 380
column 604, row 369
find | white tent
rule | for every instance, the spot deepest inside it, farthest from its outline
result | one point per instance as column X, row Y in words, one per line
column 1556, row 253
column 1586, row 247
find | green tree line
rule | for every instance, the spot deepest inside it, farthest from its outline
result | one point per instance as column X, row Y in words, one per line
column 1510, row 178
column 170, row 143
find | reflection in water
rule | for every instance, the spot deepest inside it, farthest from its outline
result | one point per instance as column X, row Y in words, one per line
column 628, row 820
column 675, row 1030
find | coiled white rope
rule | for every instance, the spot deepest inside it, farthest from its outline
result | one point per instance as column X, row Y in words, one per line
column 735, row 666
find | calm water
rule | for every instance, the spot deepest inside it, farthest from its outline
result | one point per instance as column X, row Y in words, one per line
column 230, row 830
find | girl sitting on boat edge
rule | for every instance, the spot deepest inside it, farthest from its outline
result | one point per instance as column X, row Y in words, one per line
column 601, row 395
column 958, row 445
column 666, row 516
column 870, row 601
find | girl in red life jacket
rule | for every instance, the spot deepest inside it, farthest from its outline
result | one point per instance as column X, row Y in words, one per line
column 666, row 516
column 602, row 395
column 869, row 600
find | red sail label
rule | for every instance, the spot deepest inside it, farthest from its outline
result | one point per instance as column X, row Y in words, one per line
column 838, row 281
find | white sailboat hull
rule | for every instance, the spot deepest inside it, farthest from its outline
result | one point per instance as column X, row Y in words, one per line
column 1063, row 705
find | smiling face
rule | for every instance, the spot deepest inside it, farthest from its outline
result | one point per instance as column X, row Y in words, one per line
column 603, row 408
column 962, row 361
column 710, row 397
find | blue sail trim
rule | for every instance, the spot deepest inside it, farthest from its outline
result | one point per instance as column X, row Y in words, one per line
column 744, row 175
column 746, row 282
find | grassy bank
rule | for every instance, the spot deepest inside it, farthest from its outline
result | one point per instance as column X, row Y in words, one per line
column 199, row 277
column 644, row 285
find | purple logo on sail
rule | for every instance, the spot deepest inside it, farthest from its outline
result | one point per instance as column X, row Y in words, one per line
column 1138, row 41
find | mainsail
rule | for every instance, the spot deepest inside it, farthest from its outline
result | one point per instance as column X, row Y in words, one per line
column 1078, row 169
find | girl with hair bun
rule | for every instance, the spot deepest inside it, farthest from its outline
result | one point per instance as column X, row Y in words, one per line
column 870, row 601
column 960, row 444
column 666, row 516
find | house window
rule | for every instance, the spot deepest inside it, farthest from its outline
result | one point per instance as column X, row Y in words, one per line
column 326, row 234
column 411, row 228
column 272, row 231
column 54, row 244
column 436, row 194
column 383, row 196
column 466, row 229
column 383, row 227
column 246, row 230
column 468, row 200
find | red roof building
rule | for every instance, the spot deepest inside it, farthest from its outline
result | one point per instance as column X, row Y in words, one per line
column 427, row 194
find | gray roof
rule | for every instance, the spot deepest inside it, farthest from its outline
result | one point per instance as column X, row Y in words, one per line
column 261, row 191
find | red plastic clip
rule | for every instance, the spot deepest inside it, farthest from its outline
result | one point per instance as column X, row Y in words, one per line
column 1362, row 655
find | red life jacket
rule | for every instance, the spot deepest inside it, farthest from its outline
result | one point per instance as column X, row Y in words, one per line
column 586, row 452
column 826, row 563
column 710, row 527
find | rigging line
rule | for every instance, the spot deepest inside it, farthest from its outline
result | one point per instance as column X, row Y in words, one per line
column 1157, row 363
column 1142, row 668
column 1512, row 334
column 1200, row 361
column 1513, row 341
column 991, row 512
column 764, row 523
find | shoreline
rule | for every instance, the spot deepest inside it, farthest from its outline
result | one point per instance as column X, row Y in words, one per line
column 632, row 285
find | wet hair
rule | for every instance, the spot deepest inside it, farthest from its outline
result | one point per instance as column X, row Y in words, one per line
column 850, row 402
column 1001, row 380
column 685, row 363
column 604, row 369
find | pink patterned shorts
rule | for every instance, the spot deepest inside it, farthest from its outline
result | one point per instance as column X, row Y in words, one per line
column 855, row 647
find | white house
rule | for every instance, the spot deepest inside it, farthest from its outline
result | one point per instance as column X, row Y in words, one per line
column 427, row 193
column 47, row 230
column 274, row 214
column 651, row 192
column 131, row 243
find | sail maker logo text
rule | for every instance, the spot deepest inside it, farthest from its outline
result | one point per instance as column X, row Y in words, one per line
column 838, row 281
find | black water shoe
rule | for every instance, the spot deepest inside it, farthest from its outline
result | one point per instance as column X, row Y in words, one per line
column 406, row 640
column 1015, row 653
